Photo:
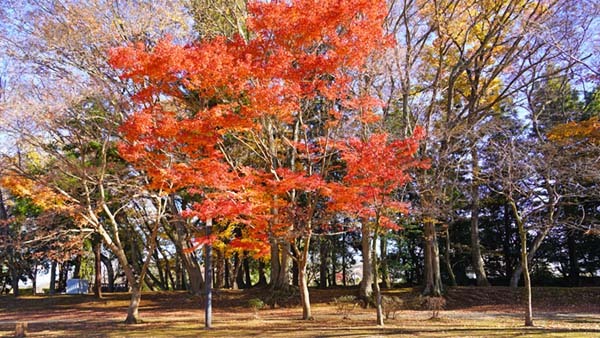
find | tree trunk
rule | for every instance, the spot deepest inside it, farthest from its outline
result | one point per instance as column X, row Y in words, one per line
column 366, row 283
column 295, row 273
column 3, row 212
column 162, row 274
column 34, row 279
column 227, row 273
column 77, row 269
column 110, row 272
column 220, row 265
column 526, row 279
column 208, row 277
column 447, row 258
column 573, row 259
column 234, row 272
column 284, row 267
column 262, row 278
column 194, row 275
column 134, row 304
column 279, row 251
column 167, row 271
column 280, row 279
column 303, row 281
column 188, row 260
column 323, row 253
column 506, row 245
column 524, row 264
column 275, row 263
column 333, row 261
column 15, row 280
column 433, row 279
column 385, row 271
column 52, row 278
column 134, row 278
column 239, row 276
column 376, row 289
column 476, row 259
column 62, row 276
column 344, row 277
column 537, row 242
column 97, row 248
column 247, row 279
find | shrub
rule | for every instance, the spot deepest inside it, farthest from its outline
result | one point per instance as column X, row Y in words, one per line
column 391, row 305
column 256, row 304
column 282, row 298
column 435, row 305
column 345, row 305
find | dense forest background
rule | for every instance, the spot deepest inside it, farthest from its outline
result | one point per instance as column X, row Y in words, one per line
column 97, row 179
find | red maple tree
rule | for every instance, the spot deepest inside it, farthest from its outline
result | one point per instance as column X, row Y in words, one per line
column 300, row 61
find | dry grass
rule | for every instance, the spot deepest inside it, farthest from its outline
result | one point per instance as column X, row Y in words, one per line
column 175, row 314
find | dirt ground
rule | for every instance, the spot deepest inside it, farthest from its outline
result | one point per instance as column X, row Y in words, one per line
column 470, row 312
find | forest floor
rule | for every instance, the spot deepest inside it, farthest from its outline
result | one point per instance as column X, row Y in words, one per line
column 469, row 312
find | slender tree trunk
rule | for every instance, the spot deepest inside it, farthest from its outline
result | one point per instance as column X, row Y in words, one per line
column 295, row 273
column 34, row 279
column 239, row 276
column 437, row 276
column 53, row 278
column 134, row 278
column 15, row 280
column 526, row 279
column 228, row 285
column 62, row 276
column 506, row 245
column 173, row 280
column 3, row 213
column 77, row 269
column 447, row 258
column 208, row 278
column 323, row 253
column 275, row 266
column 262, row 278
column 433, row 279
column 235, row 272
column 110, row 272
column 247, row 279
column 385, row 271
column 302, row 279
column 416, row 273
column 537, row 242
column 344, row 277
column 366, row 283
column 167, row 271
column 376, row 289
column 333, row 261
column 524, row 264
column 284, row 267
column 220, row 275
column 476, row 259
column 97, row 248
column 279, row 251
column 162, row 274
column 573, row 259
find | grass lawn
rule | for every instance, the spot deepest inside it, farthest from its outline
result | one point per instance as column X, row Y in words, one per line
column 489, row 312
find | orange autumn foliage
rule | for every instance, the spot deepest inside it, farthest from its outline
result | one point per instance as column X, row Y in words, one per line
column 377, row 167
column 298, row 51
column 588, row 130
